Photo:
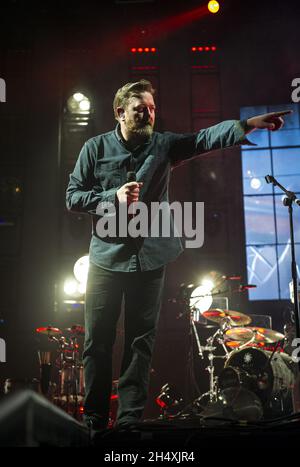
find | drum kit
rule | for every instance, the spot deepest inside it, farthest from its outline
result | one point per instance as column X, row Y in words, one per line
column 63, row 384
column 257, row 377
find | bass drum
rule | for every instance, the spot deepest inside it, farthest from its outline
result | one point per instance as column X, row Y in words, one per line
column 255, row 370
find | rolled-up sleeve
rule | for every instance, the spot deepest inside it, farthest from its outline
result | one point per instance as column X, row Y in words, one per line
column 83, row 192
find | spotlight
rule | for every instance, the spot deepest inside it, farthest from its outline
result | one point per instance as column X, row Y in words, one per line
column 213, row 6
column 78, row 103
column 201, row 298
column 71, row 287
column 81, row 268
column 255, row 183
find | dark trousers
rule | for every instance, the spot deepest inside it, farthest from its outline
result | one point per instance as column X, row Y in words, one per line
column 142, row 293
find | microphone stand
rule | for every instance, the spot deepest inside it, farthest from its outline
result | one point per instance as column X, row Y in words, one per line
column 288, row 202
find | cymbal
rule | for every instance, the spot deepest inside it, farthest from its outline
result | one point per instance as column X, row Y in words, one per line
column 256, row 335
column 235, row 318
column 76, row 330
column 49, row 331
column 240, row 335
column 267, row 336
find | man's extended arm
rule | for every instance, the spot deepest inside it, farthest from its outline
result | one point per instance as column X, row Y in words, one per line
column 223, row 135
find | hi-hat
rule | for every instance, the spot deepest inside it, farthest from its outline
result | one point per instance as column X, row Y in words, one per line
column 234, row 318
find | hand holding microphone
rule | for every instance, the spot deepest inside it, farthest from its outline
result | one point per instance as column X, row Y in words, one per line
column 129, row 193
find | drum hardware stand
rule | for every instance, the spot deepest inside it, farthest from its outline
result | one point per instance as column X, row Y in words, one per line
column 213, row 380
column 288, row 202
column 200, row 351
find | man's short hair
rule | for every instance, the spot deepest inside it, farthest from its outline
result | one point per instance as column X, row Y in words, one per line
column 131, row 90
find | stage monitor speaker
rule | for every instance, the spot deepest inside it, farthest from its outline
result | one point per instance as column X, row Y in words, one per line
column 29, row 419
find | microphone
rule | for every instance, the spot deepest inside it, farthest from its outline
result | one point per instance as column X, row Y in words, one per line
column 244, row 287
column 270, row 179
column 130, row 177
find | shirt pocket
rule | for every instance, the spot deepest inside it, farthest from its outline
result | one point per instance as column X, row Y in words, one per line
column 109, row 174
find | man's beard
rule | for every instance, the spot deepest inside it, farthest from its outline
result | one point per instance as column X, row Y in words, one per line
column 141, row 131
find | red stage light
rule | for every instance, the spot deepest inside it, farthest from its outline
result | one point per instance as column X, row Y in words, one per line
column 153, row 49
column 140, row 49
column 214, row 48
column 207, row 49
column 147, row 49
column 194, row 49
column 133, row 49
column 200, row 49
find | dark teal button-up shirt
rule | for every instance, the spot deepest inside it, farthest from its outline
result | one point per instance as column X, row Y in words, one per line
column 101, row 169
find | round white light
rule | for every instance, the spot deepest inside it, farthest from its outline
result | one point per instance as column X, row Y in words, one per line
column 255, row 183
column 70, row 287
column 78, row 96
column 85, row 105
column 81, row 269
column 201, row 298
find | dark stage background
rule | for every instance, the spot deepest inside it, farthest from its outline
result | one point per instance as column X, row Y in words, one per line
column 49, row 50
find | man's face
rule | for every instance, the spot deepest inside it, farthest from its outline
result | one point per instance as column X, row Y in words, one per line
column 139, row 115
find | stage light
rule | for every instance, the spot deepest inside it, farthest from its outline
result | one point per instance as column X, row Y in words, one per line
column 208, row 283
column 71, row 287
column 255, row 183
column 81, row 268
column 78, row 96
column 78, row 103
column 85, row 105
column 213, row 6
column 143, row 49
column 201, row 298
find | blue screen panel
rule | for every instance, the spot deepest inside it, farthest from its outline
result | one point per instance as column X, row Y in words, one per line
column 285, row 138
column 286, row 161
column 284, row 264
column 256, row 186
column 256, row 163
column 262, row 272
column 259, row 220
column 283, row 222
